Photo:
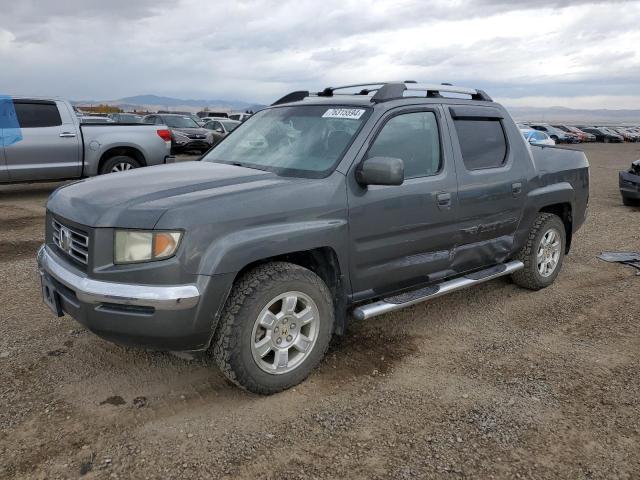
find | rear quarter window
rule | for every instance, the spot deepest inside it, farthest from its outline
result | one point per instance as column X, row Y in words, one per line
column 36, row 114
column 482, row 142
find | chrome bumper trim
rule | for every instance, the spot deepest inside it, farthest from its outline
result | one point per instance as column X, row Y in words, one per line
column 173, row 297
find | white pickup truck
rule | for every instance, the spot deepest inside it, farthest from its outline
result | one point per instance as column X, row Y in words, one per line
column 42, row 139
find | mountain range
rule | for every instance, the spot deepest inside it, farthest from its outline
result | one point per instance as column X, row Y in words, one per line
column 574, row 115
column 537, row 114
column 156, row 102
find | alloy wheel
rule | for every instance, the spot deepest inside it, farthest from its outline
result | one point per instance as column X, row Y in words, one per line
column 285, row 332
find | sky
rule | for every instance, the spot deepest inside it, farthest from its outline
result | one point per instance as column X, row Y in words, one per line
column 575, row 54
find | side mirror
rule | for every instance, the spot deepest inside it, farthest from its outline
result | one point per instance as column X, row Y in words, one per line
column 381, row 171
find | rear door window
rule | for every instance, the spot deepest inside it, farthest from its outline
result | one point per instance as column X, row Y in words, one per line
column 37, row 114
column 482, row 143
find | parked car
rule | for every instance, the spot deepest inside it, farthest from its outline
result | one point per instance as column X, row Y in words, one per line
column 214, row 114
column 95, row 119
column 49, row 142
column 627, row 135
column 221, row 128
column 318, row 208
column 240, row 117
column 603, row 135
column 126, row 117
column 629, row 181
column 580, row 135
column 186, row 134
column 536, row 137
column 207, row 119
column 558, row 136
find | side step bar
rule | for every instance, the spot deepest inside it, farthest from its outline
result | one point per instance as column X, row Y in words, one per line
column 408, row 299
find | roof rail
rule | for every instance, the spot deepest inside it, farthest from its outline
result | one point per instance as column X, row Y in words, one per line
column 292, row 97
column 391, row 91
column 385, row 91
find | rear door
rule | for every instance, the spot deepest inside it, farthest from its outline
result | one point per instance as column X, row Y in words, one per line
column 491, row 182
column 401, row 236
column 51, row 145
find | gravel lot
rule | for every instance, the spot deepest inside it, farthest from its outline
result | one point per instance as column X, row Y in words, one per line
column 492, row 382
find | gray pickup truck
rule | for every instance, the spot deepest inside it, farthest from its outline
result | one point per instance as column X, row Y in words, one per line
column 320, row 208
column 42, row 139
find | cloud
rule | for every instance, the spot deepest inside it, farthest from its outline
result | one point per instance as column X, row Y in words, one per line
column 259, row 50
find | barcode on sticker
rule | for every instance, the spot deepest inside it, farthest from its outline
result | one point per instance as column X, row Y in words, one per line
column 354, row 113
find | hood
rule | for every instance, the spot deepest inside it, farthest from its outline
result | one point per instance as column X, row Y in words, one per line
column 138, row 198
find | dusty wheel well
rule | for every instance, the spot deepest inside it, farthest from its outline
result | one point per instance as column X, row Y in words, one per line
column 126, row 151
column 323, row 262
column 562, row 210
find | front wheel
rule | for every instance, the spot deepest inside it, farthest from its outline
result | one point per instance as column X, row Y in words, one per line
column 543, row 253
column 120, row 163
column 275, row 327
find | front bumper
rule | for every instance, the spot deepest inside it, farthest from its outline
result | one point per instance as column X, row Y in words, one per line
column 167, row 317
column 192, row 144
column 629, row 185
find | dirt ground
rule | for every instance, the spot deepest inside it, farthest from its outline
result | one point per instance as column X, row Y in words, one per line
column 491, row 382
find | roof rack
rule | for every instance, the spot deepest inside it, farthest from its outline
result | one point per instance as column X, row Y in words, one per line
column 385, row 91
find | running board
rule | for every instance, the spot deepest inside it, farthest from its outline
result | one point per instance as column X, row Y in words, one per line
column 408, row 299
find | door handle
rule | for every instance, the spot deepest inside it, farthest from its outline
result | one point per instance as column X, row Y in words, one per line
column 444, row 200
column 67, row 134
column 516, row 188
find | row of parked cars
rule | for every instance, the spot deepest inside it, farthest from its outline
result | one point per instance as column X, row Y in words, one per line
column 189, row 132
column 547, row 134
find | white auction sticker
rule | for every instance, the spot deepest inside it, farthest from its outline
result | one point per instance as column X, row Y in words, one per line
column 354, row 113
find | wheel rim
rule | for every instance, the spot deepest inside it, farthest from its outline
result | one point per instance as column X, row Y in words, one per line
column 285, row 332
column 121, row 167
column 549, row 251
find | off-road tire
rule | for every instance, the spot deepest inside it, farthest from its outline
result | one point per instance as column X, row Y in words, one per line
column 231, row 346
column 630, row 202
column 530, row 277
column 119, row 159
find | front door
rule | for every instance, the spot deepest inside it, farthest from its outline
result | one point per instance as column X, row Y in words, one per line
column 50, row 143
column 400, row 236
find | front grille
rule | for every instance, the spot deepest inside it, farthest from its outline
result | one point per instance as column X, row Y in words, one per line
column 71, row 241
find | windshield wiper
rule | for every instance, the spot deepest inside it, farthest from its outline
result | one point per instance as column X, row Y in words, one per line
column 244, row 165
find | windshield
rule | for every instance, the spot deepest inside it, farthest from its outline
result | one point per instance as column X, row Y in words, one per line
column 180, row 122
column 230, row 126
column 306, row 141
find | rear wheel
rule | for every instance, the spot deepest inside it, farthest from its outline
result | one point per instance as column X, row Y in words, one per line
column 275, row 327
column 120, row 163
column 543, row 253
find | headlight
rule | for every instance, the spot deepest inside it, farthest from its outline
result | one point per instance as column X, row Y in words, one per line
column 144, row 246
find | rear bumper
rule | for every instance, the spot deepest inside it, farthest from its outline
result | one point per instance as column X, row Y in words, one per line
column 169, row 159
column 165, row 317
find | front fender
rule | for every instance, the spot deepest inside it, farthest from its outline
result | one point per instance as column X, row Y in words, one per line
column 233, row 252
